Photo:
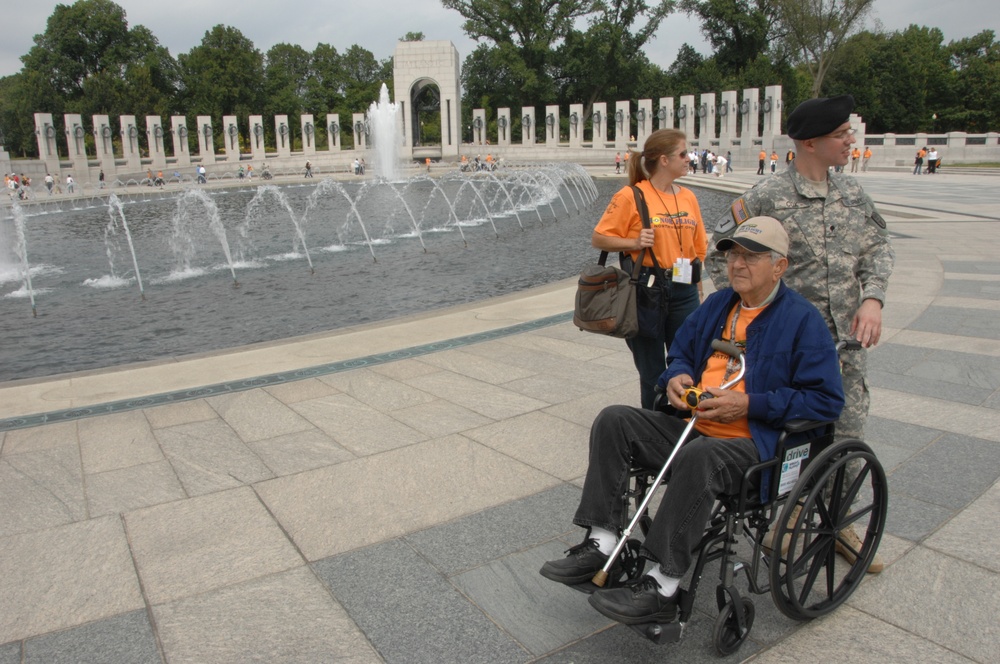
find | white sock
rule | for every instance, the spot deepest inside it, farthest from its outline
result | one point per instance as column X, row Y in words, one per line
column 606, row 539
column 668, row 584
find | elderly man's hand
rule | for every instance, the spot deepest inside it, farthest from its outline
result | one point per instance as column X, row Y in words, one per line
column 675, row 390
column 724, row 406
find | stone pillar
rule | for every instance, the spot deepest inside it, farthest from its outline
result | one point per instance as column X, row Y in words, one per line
column 643, row 122
column 130, row 143
column 575, row 125
column 154, row 139
column 206, row 146
column 282, row 136
column 478, row 126
column 4, row 158
column 749, row 118
column 771, row 108
column 179, row 135
column 706, row 120
column 685, row 116
column 527, row 125
column 45, row 134
column 552, row 126
column 358, row 126
column 503, row 127
column 622, row 123
column 308, row 135
column 665, row 113
column 258, row 148
column 599, row 125
column 76, row 149
column 728, row 118
column 105, row 146
column 333, row 132
column 231, row 137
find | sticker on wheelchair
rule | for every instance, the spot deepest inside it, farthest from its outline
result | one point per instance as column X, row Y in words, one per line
column 791, row 467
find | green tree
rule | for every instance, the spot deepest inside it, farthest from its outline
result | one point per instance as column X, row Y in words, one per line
column 324, row 89
column 223, row 75
column 740, row 31
column 974, row 104
column 818, row 29
column 412, row 37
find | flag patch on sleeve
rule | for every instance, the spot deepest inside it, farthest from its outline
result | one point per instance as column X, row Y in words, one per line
column 739, row 211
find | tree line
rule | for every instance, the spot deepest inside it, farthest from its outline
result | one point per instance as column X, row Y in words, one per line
column 537, row 52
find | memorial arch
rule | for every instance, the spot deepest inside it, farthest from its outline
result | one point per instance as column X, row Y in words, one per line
column 425, row 80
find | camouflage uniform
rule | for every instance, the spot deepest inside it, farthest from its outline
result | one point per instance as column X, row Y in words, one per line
column 839, row 254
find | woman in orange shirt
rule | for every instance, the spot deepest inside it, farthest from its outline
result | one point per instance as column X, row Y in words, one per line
column 676, row 237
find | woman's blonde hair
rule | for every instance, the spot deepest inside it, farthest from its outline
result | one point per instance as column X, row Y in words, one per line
column 642, row 165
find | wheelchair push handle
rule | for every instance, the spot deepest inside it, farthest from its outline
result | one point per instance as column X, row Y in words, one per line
column 730, row 349
column 849, row 344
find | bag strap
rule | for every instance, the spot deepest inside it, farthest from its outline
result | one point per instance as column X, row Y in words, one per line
column 640, row 204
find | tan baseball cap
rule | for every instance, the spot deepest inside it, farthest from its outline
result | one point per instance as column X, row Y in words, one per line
column 758, row 234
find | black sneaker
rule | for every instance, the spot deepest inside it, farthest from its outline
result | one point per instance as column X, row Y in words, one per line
column 580, row 565
column 636, row 603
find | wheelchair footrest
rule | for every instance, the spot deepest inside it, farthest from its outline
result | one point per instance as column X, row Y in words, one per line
column 660, row 633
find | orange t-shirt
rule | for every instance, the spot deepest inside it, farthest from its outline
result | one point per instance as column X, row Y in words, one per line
column 715, row 375
column 855, row 153
column 868, row 153
column 762, row 156
column 676, row 220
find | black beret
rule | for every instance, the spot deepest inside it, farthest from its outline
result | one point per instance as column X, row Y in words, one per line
column 819, row 117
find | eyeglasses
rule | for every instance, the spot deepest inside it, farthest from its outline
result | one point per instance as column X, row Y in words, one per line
column 843, row 134
column 748, row 257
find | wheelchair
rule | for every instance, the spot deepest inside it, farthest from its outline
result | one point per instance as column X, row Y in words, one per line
column 809, row 569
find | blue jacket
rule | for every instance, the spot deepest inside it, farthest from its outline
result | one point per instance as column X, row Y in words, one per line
column 793, row 371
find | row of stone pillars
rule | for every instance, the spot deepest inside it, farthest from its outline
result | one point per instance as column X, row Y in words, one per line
column 726, row 121
column 169, row 148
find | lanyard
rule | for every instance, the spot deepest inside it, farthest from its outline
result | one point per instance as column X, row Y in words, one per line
column 673, row 217
column 731, row 362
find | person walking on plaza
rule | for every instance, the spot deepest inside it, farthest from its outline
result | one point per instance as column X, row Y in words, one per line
column 761, row 158
column 309, row 169
column 100, row 180
column 918, row 163
column 70, row 184
column 789, row 156
column 774, row 161
column 675, row 241
column 618, row 162
column 51, row 182
column 855, row 156
column 729, row 161
column 840, row 256
column 865, row 159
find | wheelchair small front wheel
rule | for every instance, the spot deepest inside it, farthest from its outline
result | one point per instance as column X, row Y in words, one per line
column 842, row 489
column 726, row 634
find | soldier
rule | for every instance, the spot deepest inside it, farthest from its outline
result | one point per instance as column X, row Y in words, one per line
column 840, row 257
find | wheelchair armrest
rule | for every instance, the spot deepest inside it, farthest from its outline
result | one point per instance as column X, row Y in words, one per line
column 800, row 426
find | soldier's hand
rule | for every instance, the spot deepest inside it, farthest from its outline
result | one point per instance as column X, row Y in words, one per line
column 866, row 325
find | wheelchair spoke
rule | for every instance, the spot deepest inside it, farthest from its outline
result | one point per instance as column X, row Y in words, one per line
column 822, row 558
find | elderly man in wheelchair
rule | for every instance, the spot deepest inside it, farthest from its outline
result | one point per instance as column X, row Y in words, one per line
column 777, row 366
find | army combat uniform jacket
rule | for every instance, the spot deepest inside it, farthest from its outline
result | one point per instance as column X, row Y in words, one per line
column 838, row 255
column 839, row 252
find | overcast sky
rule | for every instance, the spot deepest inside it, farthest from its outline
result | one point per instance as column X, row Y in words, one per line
column 378, row 24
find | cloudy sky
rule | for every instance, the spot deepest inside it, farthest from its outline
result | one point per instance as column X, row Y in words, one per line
column 378, row 24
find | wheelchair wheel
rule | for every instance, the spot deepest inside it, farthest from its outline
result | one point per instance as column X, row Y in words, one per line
column 843, row 487
column 726, row 634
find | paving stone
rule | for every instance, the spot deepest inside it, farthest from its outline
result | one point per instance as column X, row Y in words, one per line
column 123, row 639
column 295, row 452
column 477, row 539
column 373, row 499
column 209, row 457
column 200, row 544
column 184, row 412
column 409, row 612
column 117, row 441
column 899, row 434
column 65, row 576
column 439, row 418
column 538, row 439
column 952, row 472
column 928, row 387
column 130, row 488
column 377, row 390
column 968, row 536
column 300, row 390
column 356, row 426
column 896, row 358
column 911, row 518
column 477, row 367
column 966, row 627
column 858, row 638
column 41, row 489
column 286, row 617
column 486, row 399
column 256, row 415
column 10, row 653
column 963, row 322
column 36, row 439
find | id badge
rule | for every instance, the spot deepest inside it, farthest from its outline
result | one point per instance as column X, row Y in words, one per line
column 682, row 271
